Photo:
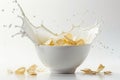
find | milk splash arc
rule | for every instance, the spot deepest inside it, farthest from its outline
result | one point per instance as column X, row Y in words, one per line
column 41, row 34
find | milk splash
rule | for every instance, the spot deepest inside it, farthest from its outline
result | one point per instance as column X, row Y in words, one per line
column 37, row 34
column 41, row 34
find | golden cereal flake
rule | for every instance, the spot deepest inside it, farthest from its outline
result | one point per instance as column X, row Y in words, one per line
column 66, row 40
column 107, row 72
column 100, row 68
column 32, row 70
column 20, row 71
column 60, row 42
column 49, row 42
column 69, row 41
column 89, row 71
column 80, row 42
column 69, row 35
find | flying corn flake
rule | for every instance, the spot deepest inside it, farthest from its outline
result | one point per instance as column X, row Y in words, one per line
column 99, row 69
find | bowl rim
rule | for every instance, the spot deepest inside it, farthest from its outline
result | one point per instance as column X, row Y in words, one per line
column 64, row 46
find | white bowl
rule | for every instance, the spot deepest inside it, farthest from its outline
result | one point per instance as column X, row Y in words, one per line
column 62, row 59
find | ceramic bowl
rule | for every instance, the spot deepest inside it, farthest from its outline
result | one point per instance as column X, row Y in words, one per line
column 62, row 59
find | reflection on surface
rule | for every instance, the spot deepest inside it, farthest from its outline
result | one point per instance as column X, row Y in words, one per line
column 20, row 77
column 25, row 77
column 101, row 76
column 31, row 77
column 62, row 77
column 77, row 76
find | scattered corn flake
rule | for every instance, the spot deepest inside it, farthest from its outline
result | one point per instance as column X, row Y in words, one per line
column 89, row 71
column 20, row 71
column 100, row 68
column 107, row 72
column 32, row 70
column 33, row 67
column 94, row 72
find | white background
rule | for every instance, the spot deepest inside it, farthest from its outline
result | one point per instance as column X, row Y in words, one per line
column 16, row 52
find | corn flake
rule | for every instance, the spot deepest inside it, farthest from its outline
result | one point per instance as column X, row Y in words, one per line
column 49, row 42
column 80, row 42
column 60, row 42
column 69, row 41
column 32, row 70
column 107, row 72
column 69, row 35
column 100, row 68
column 20, row 71
column 88, row 71
column 66, row 40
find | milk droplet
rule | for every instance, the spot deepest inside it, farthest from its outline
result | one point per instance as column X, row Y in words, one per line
column 34, row 16
column 73, row 14
column 4, row 25
column 2, row 10
column 10, row 25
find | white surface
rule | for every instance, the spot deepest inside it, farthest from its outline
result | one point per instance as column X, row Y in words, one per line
column 16, row 52
column 76, row 76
